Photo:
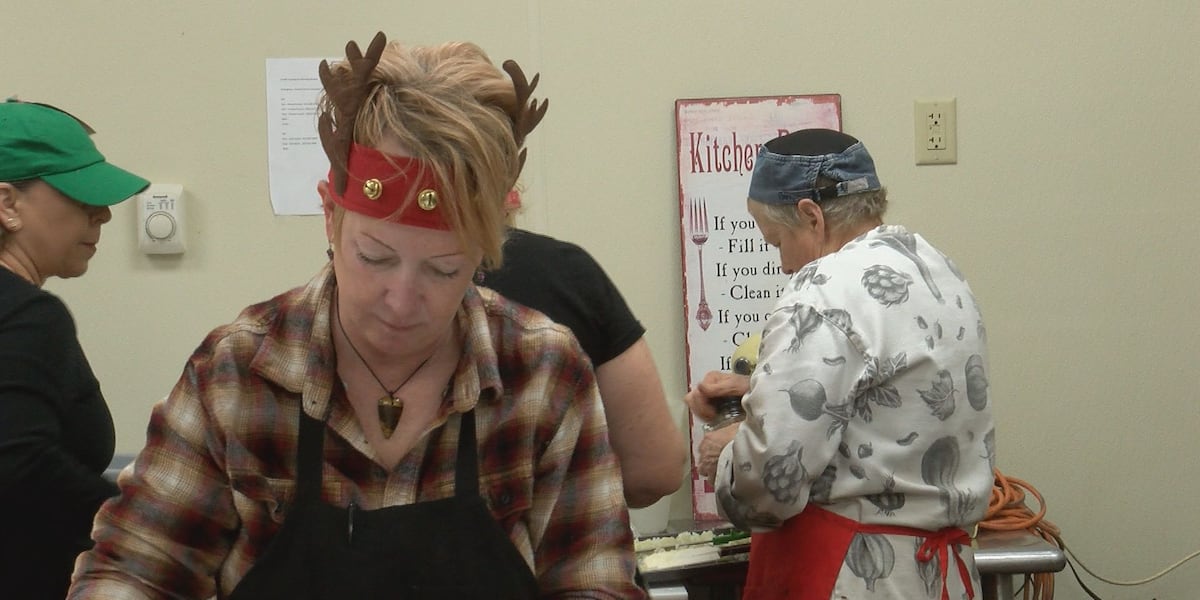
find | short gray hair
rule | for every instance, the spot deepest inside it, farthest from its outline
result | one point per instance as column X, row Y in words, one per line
column 840, row 213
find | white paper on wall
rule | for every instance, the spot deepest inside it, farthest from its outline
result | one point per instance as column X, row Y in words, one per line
column 296, row 161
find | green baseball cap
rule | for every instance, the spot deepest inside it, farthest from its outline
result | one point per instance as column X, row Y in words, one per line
column 38, row 141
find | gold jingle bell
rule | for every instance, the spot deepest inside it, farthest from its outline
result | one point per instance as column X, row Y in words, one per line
column 427, row 199
column 373, row 189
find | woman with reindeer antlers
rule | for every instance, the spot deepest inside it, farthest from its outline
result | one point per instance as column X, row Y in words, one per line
column 387, row 430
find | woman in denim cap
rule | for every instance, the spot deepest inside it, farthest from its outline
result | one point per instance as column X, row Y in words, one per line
column 56, row 432
column 867, row 451
column 387, row 430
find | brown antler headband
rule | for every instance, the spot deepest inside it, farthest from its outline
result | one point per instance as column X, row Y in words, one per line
column 527, row 113
column 346, row 93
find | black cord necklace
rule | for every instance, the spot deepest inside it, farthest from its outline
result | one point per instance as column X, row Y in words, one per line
column 390, row 406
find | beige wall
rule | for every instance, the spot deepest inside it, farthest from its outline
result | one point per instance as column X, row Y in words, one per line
column 1073, row 206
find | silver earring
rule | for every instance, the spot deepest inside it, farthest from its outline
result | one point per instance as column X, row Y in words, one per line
column 329, row 253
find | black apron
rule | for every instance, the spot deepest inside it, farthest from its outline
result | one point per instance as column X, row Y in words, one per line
column 448, row 548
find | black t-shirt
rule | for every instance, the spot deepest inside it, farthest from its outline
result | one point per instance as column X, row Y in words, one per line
column 563, row 281
column 56, row 439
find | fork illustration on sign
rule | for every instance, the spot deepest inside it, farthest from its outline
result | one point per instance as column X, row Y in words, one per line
column 698, row 225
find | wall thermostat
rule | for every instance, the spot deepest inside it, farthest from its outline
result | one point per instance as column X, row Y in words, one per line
column 160, row 219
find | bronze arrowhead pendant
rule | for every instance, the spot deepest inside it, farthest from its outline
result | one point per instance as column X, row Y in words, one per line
column 390, row 408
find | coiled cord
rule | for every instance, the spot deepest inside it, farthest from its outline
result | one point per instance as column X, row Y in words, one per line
column 1007, row 511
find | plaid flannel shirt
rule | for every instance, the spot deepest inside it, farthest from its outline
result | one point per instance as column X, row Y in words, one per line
column 212, row 486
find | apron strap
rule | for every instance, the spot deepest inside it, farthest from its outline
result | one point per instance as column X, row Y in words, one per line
column 466, row 474
column 938, row 545
column 312, row 444
column 802, row 558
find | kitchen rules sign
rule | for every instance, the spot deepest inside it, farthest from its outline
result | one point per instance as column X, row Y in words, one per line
column 731, row 277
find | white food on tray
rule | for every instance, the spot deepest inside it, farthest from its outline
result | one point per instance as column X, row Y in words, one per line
column 686, row 538
column 690, row 555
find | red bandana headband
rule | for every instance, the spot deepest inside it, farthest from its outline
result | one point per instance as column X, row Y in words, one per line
column 379, row 186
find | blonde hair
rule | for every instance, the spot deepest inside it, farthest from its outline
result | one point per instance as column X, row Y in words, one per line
column 449, row 106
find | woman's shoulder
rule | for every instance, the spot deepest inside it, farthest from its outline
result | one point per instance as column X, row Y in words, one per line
column 530, row 252
column 27, row 308
column 281, row 318
column 507, row 317
column 522, row 335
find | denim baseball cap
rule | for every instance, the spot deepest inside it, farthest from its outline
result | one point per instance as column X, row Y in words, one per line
column 789, row 167
column 38, row 141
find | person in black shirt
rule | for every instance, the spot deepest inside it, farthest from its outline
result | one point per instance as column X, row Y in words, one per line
column 56, row 431
column 563, row 281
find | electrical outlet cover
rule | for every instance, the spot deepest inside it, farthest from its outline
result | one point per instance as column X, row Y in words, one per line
column 935, row 135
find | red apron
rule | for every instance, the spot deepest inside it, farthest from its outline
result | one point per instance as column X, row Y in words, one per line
column 802, row 559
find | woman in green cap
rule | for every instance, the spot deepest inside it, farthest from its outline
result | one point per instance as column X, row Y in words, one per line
column 56, row 432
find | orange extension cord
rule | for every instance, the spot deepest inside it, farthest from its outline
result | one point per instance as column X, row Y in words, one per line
column 1007, row 512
